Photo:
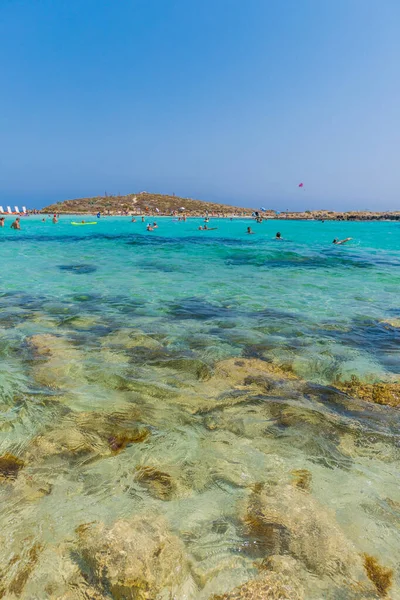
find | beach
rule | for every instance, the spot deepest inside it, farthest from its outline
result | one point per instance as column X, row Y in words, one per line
column 199, row 414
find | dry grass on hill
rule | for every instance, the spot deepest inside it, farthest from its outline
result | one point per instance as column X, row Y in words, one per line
column 141, row 203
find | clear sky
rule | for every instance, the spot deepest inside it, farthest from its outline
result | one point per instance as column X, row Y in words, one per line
column 225, row 100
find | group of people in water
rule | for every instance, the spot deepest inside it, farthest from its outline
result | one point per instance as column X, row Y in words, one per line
column 277, row 235
column 16, row 224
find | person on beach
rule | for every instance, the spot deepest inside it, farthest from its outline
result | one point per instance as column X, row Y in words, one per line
column 16, row 224
column 249, row 230
column 338, row 242
column 2, row 222
column 278, row 236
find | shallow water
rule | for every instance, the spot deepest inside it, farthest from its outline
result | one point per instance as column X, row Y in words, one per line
column 178, row 373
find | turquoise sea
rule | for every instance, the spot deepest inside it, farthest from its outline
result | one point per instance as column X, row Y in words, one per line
column 171, row 424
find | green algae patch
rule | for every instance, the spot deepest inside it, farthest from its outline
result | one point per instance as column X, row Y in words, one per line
column 158, row 484
column 10, row 466
column 88, row 434
column 381, row 577
column 120, row 441
column 302, row 479
column 19, row 581
column 379, row 393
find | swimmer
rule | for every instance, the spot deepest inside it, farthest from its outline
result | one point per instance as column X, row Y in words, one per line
column 43, row 220
column 338, row 242
column 200, row 228
column 142, row 219
column 2, row 222
column 249, row 230
column 83, row 221
column 155, row 226
column 149, row 227
column 133, row 220
column 55, row 220
column 15, row 224
column 278, row 236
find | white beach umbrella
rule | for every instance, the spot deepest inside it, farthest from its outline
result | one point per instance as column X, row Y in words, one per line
column 1, row 209
column 24, row 209
column 9, row 210
column 16, row 208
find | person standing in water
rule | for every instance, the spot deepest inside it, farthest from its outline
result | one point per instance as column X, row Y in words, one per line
column 16, row 224
column 54, row 219
column 2, row 221
column 278, row 236
column 249, row 230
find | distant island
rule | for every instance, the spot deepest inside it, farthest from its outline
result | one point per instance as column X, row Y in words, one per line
column 143, row 203
column 163, row 204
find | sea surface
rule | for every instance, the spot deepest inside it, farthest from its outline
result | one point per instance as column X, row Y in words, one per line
column 178, row 387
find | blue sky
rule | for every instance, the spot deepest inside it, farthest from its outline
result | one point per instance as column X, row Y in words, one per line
column 225, row 100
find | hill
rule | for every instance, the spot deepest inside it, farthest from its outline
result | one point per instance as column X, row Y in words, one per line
column 141, row 203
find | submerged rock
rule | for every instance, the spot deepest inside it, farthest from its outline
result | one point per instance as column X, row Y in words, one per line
column 137, row 559
column 130, row 338
column 88, row 434
column 285, row 520
column 47, row 573
column 273, row 586
column 238, row 370
column 58, row 363
column 380, row 393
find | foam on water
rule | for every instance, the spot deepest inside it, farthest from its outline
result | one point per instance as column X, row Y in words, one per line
column 179, row 385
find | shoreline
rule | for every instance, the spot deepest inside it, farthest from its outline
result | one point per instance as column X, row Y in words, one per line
column 352, row 217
